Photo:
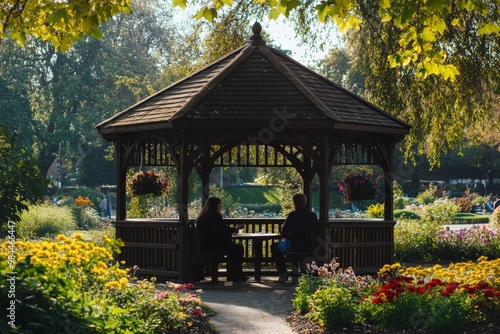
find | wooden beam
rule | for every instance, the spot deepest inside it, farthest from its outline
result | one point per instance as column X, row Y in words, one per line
column 324, row 177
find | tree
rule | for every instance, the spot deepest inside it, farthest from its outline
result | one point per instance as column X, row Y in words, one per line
column 421, row 24
column 20, row 181
column 339, row 67
column 443, row 112
column 60, row 97
column 60, row 22
column 430, row 63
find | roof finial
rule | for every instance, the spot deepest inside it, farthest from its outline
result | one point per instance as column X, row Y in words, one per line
column 256, row 38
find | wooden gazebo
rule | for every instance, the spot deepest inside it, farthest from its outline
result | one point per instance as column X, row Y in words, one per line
column 257, row 107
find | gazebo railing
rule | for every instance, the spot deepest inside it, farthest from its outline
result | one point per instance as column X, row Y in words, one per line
column 163, row 247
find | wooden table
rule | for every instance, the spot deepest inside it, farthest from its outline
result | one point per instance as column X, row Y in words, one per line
column 257, row 239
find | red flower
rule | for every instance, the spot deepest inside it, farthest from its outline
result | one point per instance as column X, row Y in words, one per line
column 488, row 293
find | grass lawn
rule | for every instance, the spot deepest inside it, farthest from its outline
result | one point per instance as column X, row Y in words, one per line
column 257, row 194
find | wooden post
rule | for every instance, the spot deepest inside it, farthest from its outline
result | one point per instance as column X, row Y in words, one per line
column 324, row 176
column 307, row 180
column 389, row 178
column 121, row 180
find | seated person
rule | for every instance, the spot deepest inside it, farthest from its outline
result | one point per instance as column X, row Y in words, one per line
column 489, row 205
column 297, row 234
column 215, row 237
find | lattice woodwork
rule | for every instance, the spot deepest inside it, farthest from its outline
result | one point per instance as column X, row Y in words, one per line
column 355, row 151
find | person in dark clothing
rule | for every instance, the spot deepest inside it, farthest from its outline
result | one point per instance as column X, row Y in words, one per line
column 297, row 234
column 215, row 237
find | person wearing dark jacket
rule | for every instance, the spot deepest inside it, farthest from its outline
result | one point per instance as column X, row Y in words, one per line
column 215, row 237
column 297, row 234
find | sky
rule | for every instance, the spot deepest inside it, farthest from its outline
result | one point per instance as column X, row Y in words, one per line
column 283, row 36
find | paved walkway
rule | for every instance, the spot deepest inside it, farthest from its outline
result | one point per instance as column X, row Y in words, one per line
column 249, row 307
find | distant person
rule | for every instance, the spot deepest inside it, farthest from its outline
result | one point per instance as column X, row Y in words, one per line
column 489, row 206
column 215, row 237
column 496, row 204
column 479, row 188
column 106, row 211
column 297, row 234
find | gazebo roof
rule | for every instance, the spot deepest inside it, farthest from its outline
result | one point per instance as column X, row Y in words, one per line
column 247, row 87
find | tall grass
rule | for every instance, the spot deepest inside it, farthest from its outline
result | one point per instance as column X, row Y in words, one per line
column 44, row 220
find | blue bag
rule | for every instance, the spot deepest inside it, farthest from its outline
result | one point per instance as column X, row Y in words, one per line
column 283, row 246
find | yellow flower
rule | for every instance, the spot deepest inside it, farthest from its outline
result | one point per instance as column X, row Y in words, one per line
column 78, row 236
column 123, row 282
column 395, row 266
column 112, row 284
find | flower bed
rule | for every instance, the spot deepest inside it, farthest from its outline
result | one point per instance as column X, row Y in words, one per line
column 73, row 286
column 428, row 300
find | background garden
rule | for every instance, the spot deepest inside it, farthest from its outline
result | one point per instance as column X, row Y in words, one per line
column 68, row 279
column 65, row 66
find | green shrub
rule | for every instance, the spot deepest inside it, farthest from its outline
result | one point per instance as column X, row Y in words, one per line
column 405, row 214
column 399, row 202
column 427, row 196
column 261, row 208
column 441, row 211
column 376, row 210
column 415, row 240
column 44, row 220
column 464, row 203
column 495, row 217
column 449, row 315
column 304, row 290
column 333, row 306
column 479, row 200
column 408, row 310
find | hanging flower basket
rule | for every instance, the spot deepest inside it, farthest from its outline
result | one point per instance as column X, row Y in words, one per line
column 148, row 182
column 358, row 186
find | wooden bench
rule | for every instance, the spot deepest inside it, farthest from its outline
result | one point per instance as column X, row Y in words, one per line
column 208, row 261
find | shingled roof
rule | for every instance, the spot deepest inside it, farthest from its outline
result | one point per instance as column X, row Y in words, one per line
column 248, row 85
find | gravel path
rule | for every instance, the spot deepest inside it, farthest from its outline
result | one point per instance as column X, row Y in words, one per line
column 249, row 307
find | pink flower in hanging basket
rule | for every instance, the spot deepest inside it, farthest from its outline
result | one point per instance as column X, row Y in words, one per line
column 358, row 186
column 148, row 182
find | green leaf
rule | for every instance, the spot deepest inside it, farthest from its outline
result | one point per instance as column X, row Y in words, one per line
column 56, row 16
column 96, row 33
column 274, row 13
column 467, row 4
column 354, row 22
column 449, row 72
column 210, row 14
column 386, row 18
column 179, row 3
column 384, row 4
column 407, row 15
column 322, row 10
column 393, row 60
column 488, row 29
column 435, row 4
column 427, row 35
column 19, row 37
